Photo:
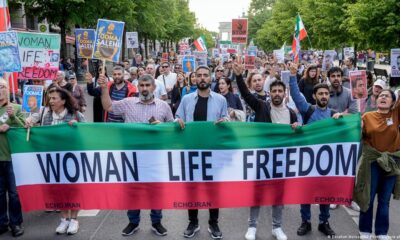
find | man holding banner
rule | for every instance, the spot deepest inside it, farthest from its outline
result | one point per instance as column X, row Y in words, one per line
column 145, row 109
column 10, row 116
column 202, row 105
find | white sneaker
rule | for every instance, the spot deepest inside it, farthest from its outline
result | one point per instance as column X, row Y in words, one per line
column 332, row 206
column 354, row 206
column 383, row 237
column 62, row 228
column 251, row 233
column 365, row 236
column 73, row 227
column 279, row 234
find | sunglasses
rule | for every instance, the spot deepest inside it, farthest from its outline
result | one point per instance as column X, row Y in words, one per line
column 165, row 66
column 220, row 70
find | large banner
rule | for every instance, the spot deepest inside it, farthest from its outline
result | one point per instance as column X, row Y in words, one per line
column 108, row 40
column 39, row 54
column 84, row 42
column 206, row 165
column 395, row 62
column 9, row 52
column 239, row 30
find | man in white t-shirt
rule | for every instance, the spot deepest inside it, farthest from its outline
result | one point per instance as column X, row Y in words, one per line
column 168, row 78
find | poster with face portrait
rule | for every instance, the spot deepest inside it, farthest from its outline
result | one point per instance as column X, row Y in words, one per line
column 358, row 84
column 327, row 62
column 84, row 42
column 32, row 98
column 189, row 64
column 132, row 40
column 249, row 62
column 395, row 62
column 9, row 52
column 108, row 41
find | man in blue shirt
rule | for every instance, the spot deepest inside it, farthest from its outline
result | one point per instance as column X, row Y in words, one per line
column 202, row 105
column 312, row 113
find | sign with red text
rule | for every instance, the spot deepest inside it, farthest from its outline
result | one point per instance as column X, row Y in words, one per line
column 239, row 30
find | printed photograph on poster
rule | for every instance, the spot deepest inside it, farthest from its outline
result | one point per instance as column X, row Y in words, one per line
column 395, row 62
column 39, row 54
column 348, row 52
column 9, row 52
column 249, row 62
column 215, row 53
column 164, row 57
column 358, row 84
column 252, row 51
column 285, row 77
column 84, row 42
column 327, row 62
column 132, row 40
column 239, row 30
column 279, row 55
column 225, row 57
column 188, row 64
column 201, row 58
column 108, row 41
column 32, row 98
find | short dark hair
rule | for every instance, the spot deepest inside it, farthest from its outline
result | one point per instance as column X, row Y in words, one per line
column 320, row 85
column 203, row 67
column 147, row 78
column 277, row 83
column 335, row 69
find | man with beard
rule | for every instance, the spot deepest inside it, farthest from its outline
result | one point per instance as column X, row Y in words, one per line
column 117, row 89
column 340, row 97
column 313, row 113
column 202, row 105
column 274, row 111
column 255, row 82
column 143, row 109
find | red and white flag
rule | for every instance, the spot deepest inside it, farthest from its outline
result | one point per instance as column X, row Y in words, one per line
column 5, row 23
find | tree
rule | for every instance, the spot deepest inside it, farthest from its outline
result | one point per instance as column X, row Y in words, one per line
column 259, row 12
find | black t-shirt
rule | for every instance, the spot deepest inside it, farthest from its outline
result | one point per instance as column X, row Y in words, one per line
column 200, row 110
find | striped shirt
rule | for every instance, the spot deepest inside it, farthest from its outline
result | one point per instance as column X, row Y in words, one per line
column 117, row 95
column 133, row 110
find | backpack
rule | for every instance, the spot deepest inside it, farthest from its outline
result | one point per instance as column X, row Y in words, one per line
column 311, row 110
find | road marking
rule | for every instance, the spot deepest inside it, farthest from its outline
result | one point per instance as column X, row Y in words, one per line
column 100, row 225
column 88, row 213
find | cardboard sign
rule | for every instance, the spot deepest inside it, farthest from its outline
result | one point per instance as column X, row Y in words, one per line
column 358, row 84
column 108, row 41
column 280, row 55
column 239, row 30
column 39, row 54
column 188, row 64
column 84, row 42
column 329, row 56
column 32, row 99
column 201, row 58
column 9, row 52
column 395, row 62
column 285, row 77
column 132, row 40
column 249, row 62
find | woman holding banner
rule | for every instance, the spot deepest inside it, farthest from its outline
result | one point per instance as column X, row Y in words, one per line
column 379, row 172
column 62, row 109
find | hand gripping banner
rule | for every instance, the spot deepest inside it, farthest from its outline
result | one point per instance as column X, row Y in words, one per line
column 140, row 166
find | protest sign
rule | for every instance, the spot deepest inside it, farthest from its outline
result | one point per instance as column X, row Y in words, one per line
column 225, row 57
column 215, row 52
column 139, row 161
column 279, row 55
column 164, row 57
column 285, row 77
column 348, row 52
column 252, row 51
column 84, row 42
column 249, row 62
column 179, row 59
column 132, row 40
column 201, row 58
column 358, row 84
column 327, row 62
column 9, row 52
column 306, row 56
column 395, row 62
column 32, row 98
column 224, row 44
column 239, row 30
column 188, row 64
column 39, row 54
column 188, row 52
column 108, row 41
column 183, row 46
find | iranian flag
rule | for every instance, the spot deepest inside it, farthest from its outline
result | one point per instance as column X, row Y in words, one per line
column 5, row 23
column 200, row 44
column 300, row 34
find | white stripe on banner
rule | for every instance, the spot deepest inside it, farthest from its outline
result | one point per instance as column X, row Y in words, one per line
column 337, row 159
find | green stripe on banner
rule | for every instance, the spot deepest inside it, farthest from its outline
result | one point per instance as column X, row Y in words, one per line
column 196, row 135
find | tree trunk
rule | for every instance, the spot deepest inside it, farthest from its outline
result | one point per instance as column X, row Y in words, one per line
column 63, row 50
column 123, row 45
column 146, row 53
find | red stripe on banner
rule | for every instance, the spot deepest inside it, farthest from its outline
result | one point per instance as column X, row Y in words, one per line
column 178, row 195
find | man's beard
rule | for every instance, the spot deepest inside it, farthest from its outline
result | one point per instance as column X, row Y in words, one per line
column 320, row 104
column 203, row 85
column 275, row 103
column 147, row 97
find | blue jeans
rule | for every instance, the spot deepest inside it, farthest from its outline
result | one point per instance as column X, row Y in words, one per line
column 383, row 186
column 134, row 216
column 8, row 187
column 305, row 210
